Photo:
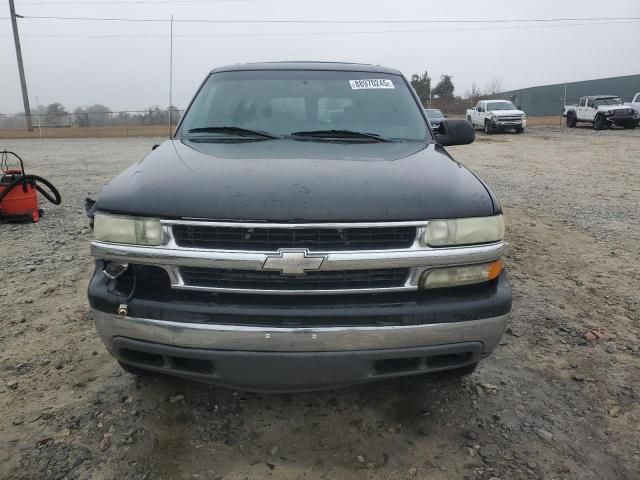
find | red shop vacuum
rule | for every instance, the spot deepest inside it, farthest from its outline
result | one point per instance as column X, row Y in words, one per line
column 19, row 192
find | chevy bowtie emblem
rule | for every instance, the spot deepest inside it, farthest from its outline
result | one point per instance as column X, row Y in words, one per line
column 293, row 262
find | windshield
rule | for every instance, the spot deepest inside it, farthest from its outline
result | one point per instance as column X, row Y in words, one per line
column 433, row 113
column 500, row 106
column 282, row 102
column 608, row 101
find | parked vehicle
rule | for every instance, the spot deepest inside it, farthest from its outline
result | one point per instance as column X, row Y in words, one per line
column 493, row 115
column 435, row 116
column 635, row 103
column 602, row 111
column 303, row 228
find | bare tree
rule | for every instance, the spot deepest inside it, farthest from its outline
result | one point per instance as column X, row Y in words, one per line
column 493, row 87
column 474, row 95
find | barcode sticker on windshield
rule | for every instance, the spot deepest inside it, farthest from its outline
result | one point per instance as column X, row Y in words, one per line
column 371, row 83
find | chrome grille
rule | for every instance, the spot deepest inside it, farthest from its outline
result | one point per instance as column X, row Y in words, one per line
column 213, row 278
column 268, row 239
column 623, row 112
column 509, row 118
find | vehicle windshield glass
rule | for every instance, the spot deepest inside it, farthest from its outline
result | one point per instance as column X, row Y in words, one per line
column 500, row 106
column 281, row 102
column 608, row 101
column 432, row 113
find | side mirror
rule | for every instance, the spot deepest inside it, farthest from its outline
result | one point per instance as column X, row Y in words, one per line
column 455, row 132
column 519, row 107
column 446, row 116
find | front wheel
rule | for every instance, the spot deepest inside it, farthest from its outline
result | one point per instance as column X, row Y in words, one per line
column 487, row 127
column 631, row 126
column 519, row 130
column 571, row 120
column 599, row 123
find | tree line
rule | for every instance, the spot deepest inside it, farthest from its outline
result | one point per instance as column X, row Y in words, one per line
column 56, row 115
column 443, row 97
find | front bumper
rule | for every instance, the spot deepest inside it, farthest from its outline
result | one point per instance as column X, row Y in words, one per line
column 296, row 359
column 295, row 343
column 508, row 125
column 621, row 120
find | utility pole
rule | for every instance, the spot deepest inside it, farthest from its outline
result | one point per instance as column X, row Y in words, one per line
column 170, row 73
column 23, row 81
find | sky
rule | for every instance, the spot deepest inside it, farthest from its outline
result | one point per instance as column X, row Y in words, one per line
column 125, row 65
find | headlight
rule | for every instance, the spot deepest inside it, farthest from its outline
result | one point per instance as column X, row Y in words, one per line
column 458, row 276
column 464, row 231
column 131, row 230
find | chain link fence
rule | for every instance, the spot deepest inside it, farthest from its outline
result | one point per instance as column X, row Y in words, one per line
column 92, row 119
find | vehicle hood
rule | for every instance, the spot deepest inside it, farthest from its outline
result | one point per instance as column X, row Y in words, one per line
column 507, row 113
column 295, row 181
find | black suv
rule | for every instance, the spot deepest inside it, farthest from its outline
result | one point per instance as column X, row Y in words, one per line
column 303, row 228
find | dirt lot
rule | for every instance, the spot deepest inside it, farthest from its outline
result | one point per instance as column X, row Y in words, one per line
column 559, row 400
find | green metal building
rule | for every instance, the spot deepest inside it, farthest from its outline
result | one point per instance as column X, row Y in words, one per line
column 549, row 99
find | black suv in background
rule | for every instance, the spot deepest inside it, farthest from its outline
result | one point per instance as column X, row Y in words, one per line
column 303, row 228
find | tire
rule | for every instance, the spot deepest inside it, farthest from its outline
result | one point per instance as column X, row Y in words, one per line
column 520, row 130
column 631, row 126
column 598, row 123
column 487, row 127
column 134, row 370
column 571, row 120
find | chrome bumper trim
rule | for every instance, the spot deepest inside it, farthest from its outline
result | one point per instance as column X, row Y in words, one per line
column 354, row 260
column 313, row 339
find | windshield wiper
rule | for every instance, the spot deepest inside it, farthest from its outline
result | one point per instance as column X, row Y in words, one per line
column 239, row 131
column 340, row 134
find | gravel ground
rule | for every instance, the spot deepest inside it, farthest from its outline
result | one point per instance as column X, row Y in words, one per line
column 560, row 398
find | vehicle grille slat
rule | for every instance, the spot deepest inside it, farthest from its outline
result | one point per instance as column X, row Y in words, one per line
column 318, row 280
column 313, row 239
column 622, row 112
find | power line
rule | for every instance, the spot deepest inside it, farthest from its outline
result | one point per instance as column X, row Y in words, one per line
column 349, row 22
column 134, row 2
column 280, row 34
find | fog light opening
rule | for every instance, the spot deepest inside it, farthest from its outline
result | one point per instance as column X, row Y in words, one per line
column 114, row 269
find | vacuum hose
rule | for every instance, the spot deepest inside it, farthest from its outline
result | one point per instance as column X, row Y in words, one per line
column 32, row 179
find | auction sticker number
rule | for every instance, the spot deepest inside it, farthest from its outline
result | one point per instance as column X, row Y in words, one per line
column 370, row 83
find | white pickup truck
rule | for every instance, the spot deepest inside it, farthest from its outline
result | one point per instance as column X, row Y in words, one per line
column 602, row 111
column 495, row 115
column 635, row 103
